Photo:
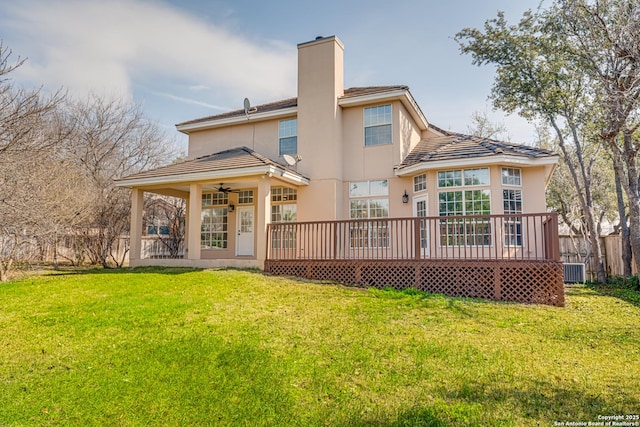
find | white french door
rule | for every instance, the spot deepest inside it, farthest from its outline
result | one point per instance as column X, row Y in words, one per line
column 245, row 224
column 419, row 210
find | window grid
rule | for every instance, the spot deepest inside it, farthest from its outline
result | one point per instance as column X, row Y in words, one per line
column 214, row 228
column 465, row 231
column 215, row 199
column 512, row 202
column 245, row 197
column 419, row 183
column 463, row 177
column 450, row 178
column 283, row 194
column 377, row 125
column 370, row 234
column 421, row 211
column 288, row 136
column 284, row 210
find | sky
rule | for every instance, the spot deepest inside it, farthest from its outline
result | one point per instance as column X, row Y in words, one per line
column 187, row 59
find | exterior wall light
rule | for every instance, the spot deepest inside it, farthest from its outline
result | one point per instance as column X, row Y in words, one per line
column 405, row 197
column 232, row 207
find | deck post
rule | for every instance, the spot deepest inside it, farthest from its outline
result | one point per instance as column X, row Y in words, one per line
column 416, row 237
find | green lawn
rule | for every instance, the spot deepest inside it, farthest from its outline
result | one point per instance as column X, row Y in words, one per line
column 225, row 347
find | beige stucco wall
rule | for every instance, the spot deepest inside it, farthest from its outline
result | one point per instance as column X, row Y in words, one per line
column 321, row 200
column 320, row 84
column 260, row 136
column 533, row 190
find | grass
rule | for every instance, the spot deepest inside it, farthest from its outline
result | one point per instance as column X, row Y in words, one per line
column 226, row 347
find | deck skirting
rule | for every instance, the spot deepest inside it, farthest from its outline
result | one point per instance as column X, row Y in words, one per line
column 537, row 282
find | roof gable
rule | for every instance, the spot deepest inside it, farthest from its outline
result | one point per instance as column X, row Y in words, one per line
column 231, row 161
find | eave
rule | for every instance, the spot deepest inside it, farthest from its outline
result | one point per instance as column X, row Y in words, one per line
column 402, row 95
column 242, row 119
column 216, row 175
column 521, row 161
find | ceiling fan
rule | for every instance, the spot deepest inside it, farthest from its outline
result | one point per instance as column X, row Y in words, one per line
column 226, row 190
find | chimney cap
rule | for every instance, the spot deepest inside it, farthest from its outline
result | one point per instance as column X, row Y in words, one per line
column 321, row 39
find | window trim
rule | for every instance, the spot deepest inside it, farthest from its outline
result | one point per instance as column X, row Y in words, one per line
column 513, row 223
column 281, row 137
column 507, row 168
column 365, row 126
column 424, row 183
column 369, row 234
column 463, row 178
column 224, row 233
column 460, row 239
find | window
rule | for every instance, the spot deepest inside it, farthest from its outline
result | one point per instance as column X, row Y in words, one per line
column 511, row 176
column 369, row 188
column 377, row 125
column 284, row 209
column 421, row 211
column 213, row 233
column 369, row 200
column 476, row 176
column 456, row 203
column 245, row 197
column 214, row 228
column 215, row 199
column 158, row 227
column 419, row 183
column 283, row 194
column 288, row 134
column 512, row 201
column 466, row 177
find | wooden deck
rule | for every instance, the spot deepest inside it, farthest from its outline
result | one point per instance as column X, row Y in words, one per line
column 500, row 257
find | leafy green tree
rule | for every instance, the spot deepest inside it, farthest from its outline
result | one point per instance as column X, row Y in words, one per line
column 535, row 79
column 605, row 40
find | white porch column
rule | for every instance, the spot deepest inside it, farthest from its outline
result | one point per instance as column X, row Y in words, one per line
column 194, row 221
column 135, row 232
column 263, row 218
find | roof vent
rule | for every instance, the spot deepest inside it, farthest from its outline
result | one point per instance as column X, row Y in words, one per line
column 319, row 37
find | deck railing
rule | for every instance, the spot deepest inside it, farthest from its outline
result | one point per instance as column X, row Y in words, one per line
column 517, row 237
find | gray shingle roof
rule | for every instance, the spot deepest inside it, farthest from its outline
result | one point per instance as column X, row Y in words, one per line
column 457, row 146
column 235, row 158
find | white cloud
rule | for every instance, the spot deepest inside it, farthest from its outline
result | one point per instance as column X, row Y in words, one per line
column 109, row 46
column 193, row 101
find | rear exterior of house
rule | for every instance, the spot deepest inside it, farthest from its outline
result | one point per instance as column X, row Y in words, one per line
column 335, row 179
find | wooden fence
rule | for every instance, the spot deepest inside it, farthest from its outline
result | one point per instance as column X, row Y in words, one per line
column 577, row 249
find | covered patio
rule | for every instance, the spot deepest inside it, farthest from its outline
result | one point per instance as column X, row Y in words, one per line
column 228, row 207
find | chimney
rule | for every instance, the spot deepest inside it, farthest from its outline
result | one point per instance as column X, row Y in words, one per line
column 320, row 84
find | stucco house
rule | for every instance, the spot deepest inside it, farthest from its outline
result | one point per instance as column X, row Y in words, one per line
column 340, row 180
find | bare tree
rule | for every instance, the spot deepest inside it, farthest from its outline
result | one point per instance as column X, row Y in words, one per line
column 28, row 132
column 111, row 139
